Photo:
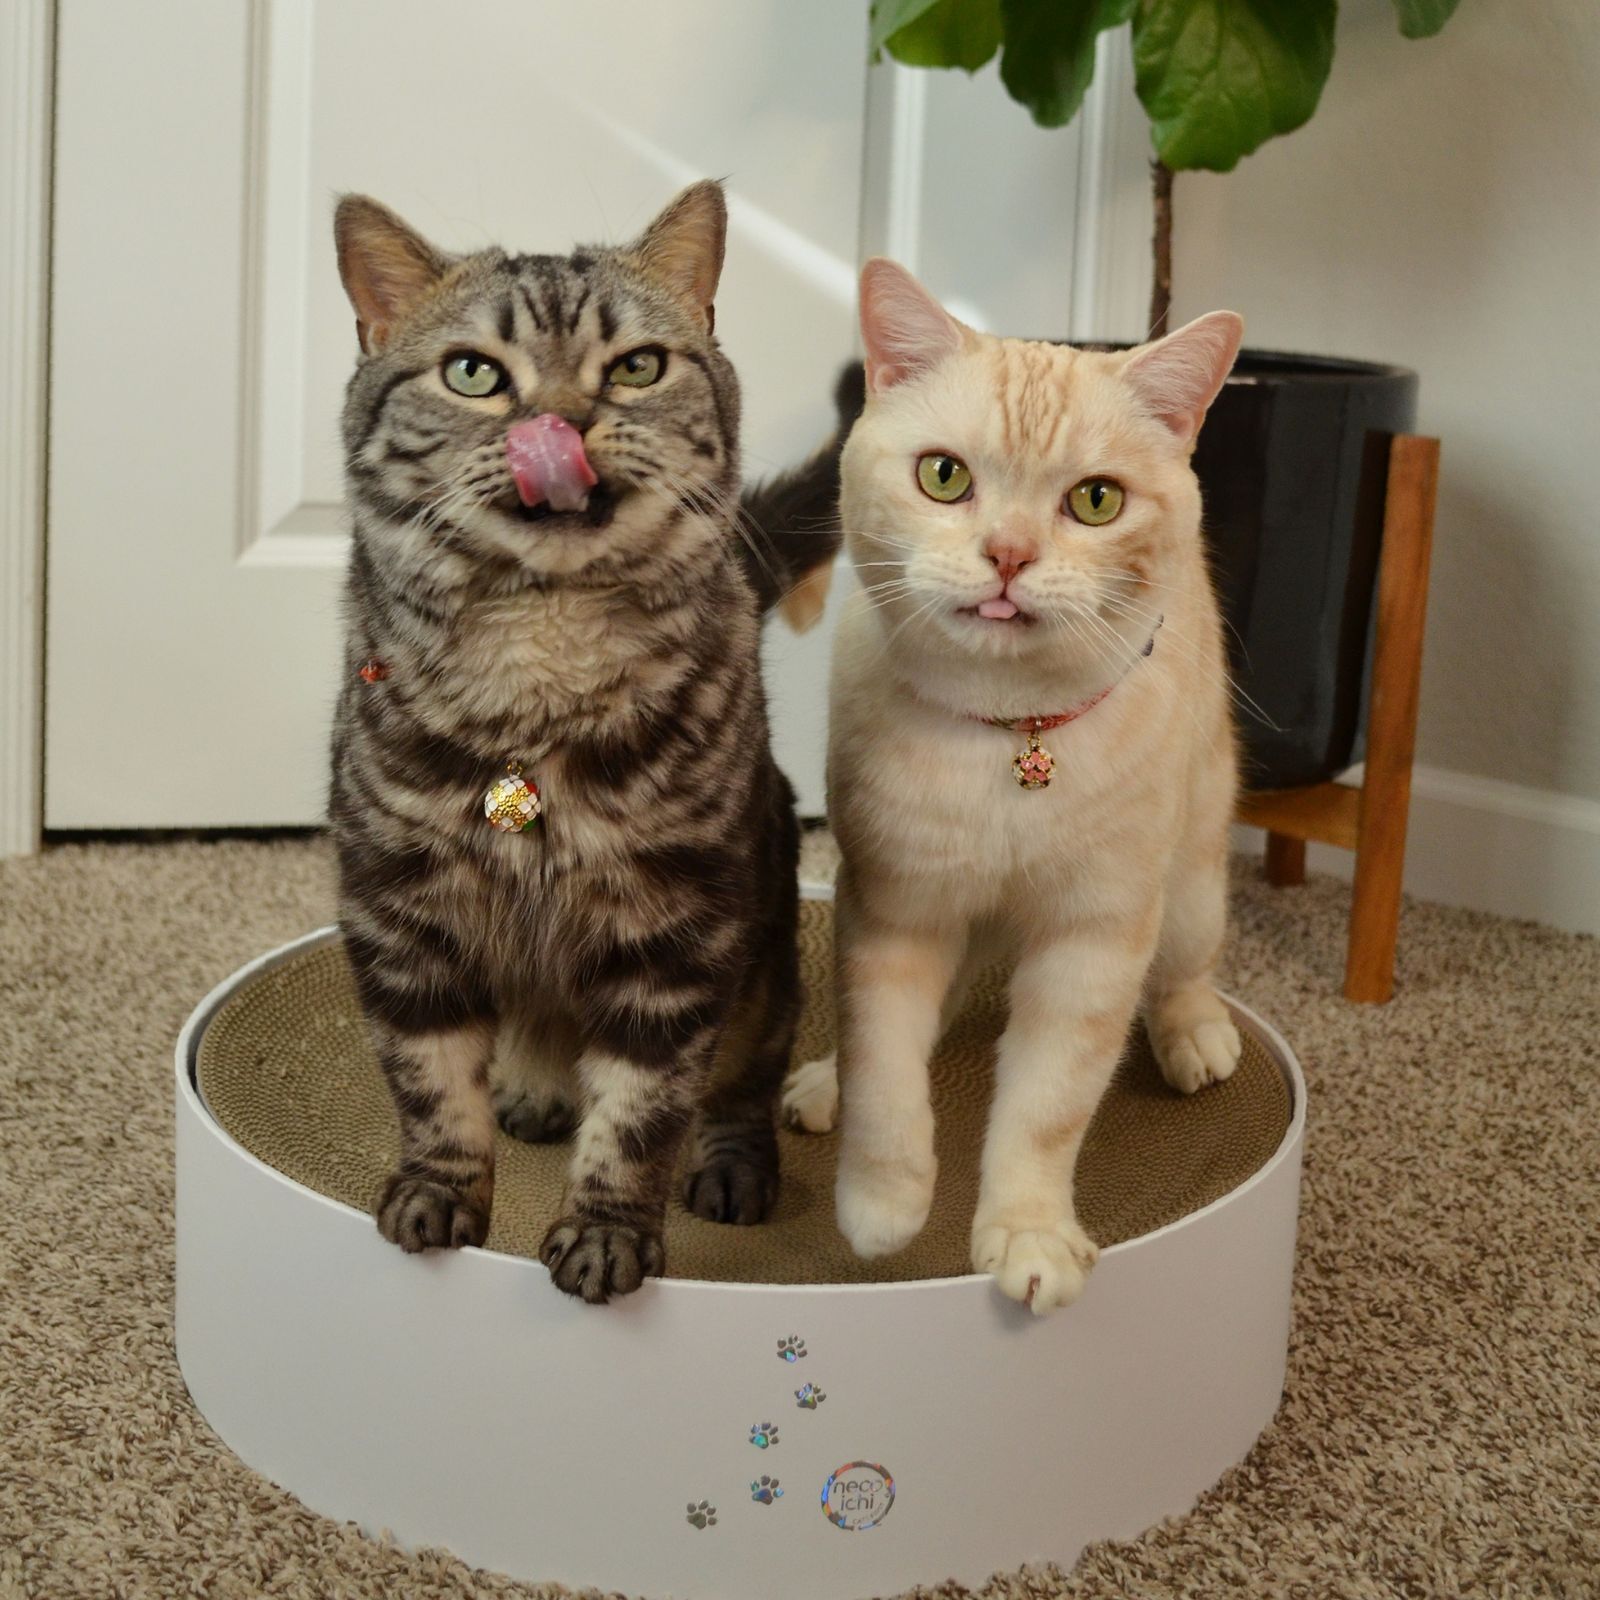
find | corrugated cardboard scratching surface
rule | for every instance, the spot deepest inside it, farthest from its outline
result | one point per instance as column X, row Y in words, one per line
column 287, row 1069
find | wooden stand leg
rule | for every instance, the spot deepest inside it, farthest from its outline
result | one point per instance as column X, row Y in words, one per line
column 1286, row 860
column 1392, row 722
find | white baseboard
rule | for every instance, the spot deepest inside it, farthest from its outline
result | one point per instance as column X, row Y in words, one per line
column 1492, row 846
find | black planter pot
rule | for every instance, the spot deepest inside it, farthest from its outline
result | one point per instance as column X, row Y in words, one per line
column 1291, row 462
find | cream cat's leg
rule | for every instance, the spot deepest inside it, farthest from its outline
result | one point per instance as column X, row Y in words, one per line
column 1191, row 1030
column 811, row 1091
column 891, row 984
column 1071, row 1002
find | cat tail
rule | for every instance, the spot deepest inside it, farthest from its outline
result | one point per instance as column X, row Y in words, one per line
column 792, row 519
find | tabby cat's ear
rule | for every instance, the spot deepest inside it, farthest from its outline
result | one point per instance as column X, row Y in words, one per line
column 386, row 265
column 1178, row 377
column 682, row 249
column 905, row 330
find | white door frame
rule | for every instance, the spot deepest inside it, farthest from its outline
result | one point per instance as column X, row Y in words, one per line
column 1109, row 278
column 1111, row 254
column 27, row 72
column 1111, row 258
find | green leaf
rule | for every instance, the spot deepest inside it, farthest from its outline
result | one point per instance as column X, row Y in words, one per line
column 1048, row 60
column 946, row 33
column 890, row 16
column 1421, row 19
column 1218, row 78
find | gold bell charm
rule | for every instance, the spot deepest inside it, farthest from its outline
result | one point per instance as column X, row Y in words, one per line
column 512, row 803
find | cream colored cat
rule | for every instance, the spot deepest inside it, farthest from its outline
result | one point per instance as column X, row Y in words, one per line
column 1026, row 522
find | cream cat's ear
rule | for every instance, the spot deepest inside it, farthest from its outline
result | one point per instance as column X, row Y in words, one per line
column 1178, row 377
column 905, row 330
column 682, row 249
column 386, row 265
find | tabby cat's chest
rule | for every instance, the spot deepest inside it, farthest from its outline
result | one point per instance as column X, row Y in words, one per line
column 539, row 655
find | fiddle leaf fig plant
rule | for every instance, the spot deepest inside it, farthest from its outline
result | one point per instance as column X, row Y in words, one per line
column 1216, row 78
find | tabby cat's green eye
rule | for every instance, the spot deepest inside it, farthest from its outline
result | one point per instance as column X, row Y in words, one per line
column 473, row 375
column 943, row 477
column 1095, row 501
column 639, row 368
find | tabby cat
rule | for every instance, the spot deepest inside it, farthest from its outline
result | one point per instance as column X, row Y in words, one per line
column 552, row 585
column 1030, row 757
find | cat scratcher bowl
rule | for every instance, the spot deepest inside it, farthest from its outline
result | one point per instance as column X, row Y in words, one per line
column 774, row 1419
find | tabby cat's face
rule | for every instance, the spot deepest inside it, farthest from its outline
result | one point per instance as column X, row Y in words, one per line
column 554, row 414
column 1010, row 498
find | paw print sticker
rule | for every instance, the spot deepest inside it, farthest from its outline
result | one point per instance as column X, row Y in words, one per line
column 792, row 1348
column 702, row 1514
column 765, row 1490
column 763, row 1434
column 808, row 1397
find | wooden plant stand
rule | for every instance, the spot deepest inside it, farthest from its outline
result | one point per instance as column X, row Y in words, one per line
column 1371, row 819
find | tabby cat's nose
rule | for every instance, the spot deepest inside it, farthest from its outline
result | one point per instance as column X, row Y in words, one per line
column 549, row 463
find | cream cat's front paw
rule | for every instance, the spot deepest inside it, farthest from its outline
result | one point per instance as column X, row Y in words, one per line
column 881, row 1206
column 1193, row 1036
column 811, row 1096
column 1042, row 1267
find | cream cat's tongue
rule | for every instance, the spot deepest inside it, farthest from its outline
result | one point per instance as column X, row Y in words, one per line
column 1000, row 609
column 547, row 460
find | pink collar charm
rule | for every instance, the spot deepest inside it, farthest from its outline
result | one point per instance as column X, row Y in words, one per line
column 1034, row 764
column 511, row 803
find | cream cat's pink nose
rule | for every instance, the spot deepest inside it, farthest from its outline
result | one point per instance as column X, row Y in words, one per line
column 1009, row 556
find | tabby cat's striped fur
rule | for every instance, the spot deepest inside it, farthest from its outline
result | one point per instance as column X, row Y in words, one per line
column 626, row 967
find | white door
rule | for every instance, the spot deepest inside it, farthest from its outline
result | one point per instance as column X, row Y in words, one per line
column 201, row 341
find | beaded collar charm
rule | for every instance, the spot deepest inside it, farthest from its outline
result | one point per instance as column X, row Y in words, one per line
column 511, row 803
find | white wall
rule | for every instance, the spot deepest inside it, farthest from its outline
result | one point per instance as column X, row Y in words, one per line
column 1442, row 210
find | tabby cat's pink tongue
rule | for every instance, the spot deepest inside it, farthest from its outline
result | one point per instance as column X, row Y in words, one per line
column 548, row 462
column 1000, row 609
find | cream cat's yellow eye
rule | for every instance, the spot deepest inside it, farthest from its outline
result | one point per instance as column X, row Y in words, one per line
column 943, row 477
column 1095, row 501
column 638, row 369
column 473, row 375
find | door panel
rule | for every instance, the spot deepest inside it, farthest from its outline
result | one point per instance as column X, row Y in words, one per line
column 201, row 341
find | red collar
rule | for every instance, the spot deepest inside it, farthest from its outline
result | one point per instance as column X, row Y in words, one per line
column 1045, row 724
column 1062, row 718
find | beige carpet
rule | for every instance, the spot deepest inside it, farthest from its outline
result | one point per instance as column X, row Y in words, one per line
column 1441, row 1431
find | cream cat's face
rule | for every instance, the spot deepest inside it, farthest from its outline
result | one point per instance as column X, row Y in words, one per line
column 1005, row 498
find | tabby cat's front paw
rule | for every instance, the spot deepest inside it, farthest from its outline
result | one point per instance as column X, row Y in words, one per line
column 1194, row 1038
column 733, row 1189
column 595, row 1260
column 1042, row 1267
column 422, row 1214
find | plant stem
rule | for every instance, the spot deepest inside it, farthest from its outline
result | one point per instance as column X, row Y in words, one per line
column 1161, row 249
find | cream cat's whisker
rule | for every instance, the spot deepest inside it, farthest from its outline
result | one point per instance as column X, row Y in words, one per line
column 880, row 596
column 921, row 611
column 1236, row 690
